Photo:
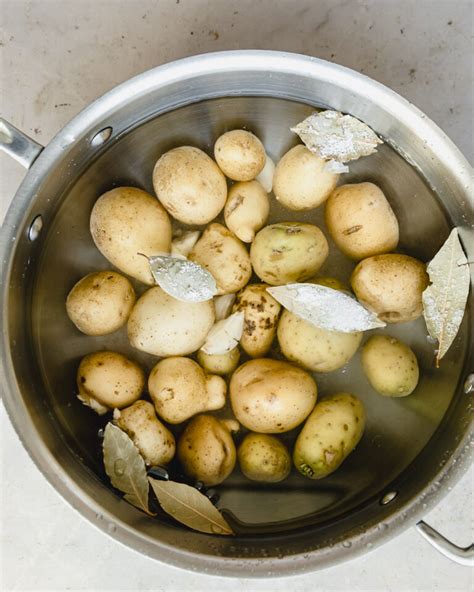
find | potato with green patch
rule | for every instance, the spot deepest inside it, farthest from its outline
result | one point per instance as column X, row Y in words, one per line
column 153, row 439
column 270, row 397
column 206, row 450
column 360, row 220
column 314, row 348
column 108, row 380
column 391, row 366
column 220, row 364
column 288, row 252
column 261, row 313
column 392, row 286
column 224, row 256
column 264, row 458
column 330, row 434
column 302, row 180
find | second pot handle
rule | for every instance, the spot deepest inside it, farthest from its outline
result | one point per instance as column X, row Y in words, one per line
column 462, row 555
column 18, row 145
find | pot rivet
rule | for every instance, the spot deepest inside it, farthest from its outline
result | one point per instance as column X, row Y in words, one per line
column 388, row 497
column 101, row 137
column 469, row 384
column 35, row 228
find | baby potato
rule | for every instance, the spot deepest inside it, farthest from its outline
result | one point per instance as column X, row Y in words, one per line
column 100, row 303
column 314, row 348
column 179, row 388
column 269, row 396
column 288, row 252
column 108, row 380
column 264, row 458
column 224, row 256
column 391, row 285
column 220, row 364
column 361, row 221
column 163, row 326
column 240, row 155
column 154, row 440
column 261, row 313
column 246, row 209
column 206, row 450
column 301, row 181
column 126, row 222
column 330, row 434
column 390, row 366
column 190, row 185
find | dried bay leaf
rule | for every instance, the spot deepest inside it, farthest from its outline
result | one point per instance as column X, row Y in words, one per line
column 326, row 308
column 190, row 507
column 444, row 300
column 184, row 280
column 334, row 136
column 224, row 335
column 125, row 467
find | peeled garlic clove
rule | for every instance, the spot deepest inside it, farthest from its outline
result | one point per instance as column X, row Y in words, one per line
column 265, row 178
column 224, row 335
column 183, row 244
column 223, row 305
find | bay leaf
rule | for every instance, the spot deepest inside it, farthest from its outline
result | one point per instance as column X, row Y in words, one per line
column 125, row 467
column 184, row 280
column 444, row 300
column 190, row 507
column 224, row 335
column 326, row 308
column 334, row 136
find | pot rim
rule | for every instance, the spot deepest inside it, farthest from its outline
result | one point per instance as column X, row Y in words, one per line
column 161, row 76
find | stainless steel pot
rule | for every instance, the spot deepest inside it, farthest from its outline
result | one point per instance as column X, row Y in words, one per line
column 413, row 448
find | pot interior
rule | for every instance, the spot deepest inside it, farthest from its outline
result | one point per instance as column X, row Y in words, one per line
column 397, row 429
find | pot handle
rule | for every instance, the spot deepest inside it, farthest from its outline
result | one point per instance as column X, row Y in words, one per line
column 18, row 145
column 462, row 555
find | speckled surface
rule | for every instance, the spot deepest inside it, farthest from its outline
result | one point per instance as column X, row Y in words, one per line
column 57, row 56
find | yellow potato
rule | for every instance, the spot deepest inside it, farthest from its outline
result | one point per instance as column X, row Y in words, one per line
column 126, row 222
column 314, row 348
column 269, row 396
column 224, row 256
column 163, row 326
column 190, row 185
column 264, row 458
column 361, row 221
column 108, row 380
column 240, row 155
column 246, row 209
column 391, row 285
column 288, row 252
column 390, row 366
column 330, row 434
column 220, row 364
column 301, row 181
column 206, row 450
column 179, row 388
column 261, row 313
column 100, row 303
column 154, row 440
